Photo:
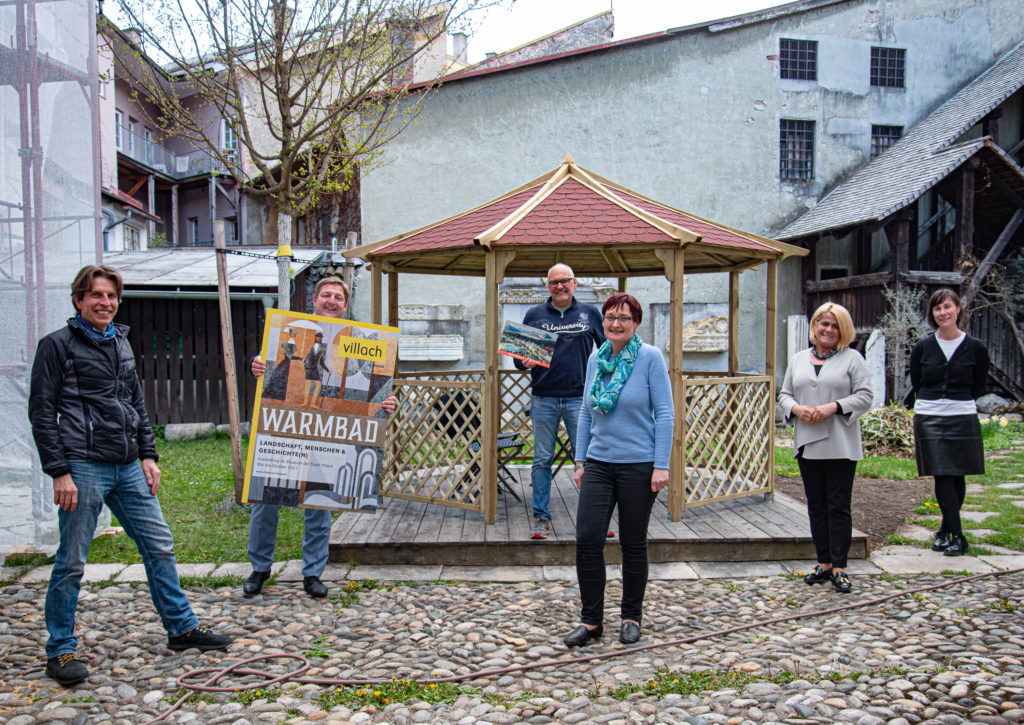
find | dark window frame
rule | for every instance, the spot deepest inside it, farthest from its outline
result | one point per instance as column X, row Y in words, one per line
column 888, row 67
column 796, row 149
column 798, row 59
column 882, row 137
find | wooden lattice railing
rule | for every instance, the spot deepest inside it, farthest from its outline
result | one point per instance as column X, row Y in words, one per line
column 435, row 453
column 728, row 437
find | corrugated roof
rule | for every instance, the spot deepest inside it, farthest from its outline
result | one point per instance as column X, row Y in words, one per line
column 919, row 160
column 198, row 267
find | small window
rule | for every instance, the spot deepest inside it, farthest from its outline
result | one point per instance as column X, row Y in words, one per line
column 882, row 137
column 130, row 134
column 796, row 149
column 193, row 229
column 231, row 228
column 888, row 67
column 229, row 142
column 132, row 239
column 103, row 88
column 118, row 121
column 798, row 59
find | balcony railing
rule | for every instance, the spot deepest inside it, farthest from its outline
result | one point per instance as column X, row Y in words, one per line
column 158, row 158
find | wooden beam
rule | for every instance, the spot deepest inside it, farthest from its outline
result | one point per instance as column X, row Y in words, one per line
column 228, row 343
column 137, row 186
column 963, row 234
column 622, row 284
column 615, row 261
column 919, row 276
column 376, row 293
column 734, row 331
column 770, row 345
column 677, row 468
column 997, row 249
column 393, row 299
column 491, row 391
column 843, row 283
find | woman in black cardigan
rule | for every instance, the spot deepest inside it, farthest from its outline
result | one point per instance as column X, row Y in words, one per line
column 948, row 372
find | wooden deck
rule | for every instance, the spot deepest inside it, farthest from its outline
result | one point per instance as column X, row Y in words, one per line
column 407, row 532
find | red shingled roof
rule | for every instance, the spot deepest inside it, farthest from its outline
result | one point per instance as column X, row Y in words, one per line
column 571, row 209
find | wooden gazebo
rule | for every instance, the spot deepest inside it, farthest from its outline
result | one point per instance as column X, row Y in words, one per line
column 723, row 443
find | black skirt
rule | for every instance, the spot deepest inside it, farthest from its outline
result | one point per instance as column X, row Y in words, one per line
column 948, row 445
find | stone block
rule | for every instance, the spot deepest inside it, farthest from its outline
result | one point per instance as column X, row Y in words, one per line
column 568, row 573
column 738, row 569
column 188, row 431
column 396, row 573
column 1004, row 561
column 101, row 572
column 672, row 571
column 493, row 573
column 911, row 560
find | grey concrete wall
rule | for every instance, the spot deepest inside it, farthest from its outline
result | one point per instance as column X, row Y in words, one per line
column 692, row 121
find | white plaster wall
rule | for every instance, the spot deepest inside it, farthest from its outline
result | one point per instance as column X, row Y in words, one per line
column 692, row 121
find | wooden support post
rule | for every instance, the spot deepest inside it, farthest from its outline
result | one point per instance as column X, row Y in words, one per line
column 174, row 233
column 495, row 261
column 622, row 284
column 734, row 322
column 351, row 240
column 227, row 338
column 676, row 491
column 393, row 298
column 963, row 235
column 770, row 345
column 376, row 292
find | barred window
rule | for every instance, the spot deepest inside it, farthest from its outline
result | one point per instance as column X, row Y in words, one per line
column 888, row 67
column 796, row 149
column 882, row 137
column 798, row 59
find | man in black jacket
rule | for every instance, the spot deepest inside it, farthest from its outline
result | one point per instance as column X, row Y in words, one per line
column 91, row 430
column 558, row 389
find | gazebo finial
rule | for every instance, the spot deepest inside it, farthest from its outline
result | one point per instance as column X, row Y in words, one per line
column 569, row 160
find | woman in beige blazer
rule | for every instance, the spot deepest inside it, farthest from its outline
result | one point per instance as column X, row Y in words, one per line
column 826, row 390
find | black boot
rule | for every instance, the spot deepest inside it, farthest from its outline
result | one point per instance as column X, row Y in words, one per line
column 941, row 542
column 957, row 546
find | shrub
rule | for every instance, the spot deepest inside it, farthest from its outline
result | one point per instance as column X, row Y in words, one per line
column 888, row 431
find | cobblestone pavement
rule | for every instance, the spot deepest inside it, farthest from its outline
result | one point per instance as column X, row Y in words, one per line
column 950, row 656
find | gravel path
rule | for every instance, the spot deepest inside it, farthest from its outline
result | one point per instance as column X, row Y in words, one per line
column 952, row 656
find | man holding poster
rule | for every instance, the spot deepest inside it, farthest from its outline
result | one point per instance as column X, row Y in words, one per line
column 558, row 389
column 335, row 390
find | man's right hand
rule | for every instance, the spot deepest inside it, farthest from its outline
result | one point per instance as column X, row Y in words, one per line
column 529, row 364
column 258, row 367
column 65, row 492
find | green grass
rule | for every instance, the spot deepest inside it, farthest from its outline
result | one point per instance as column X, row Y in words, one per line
column 197, row 498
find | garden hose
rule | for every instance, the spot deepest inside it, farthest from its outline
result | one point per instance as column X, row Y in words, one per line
column 237, row 668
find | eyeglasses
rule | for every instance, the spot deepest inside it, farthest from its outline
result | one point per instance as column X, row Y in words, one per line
column 560, row 282
column 623, row 320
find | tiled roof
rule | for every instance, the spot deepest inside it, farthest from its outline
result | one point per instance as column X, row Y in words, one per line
column 919, row 160
column 580, row 208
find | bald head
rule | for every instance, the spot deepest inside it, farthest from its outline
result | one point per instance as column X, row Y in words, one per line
column 561, row 285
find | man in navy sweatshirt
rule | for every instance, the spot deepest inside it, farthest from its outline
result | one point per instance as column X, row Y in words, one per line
column 558, row 390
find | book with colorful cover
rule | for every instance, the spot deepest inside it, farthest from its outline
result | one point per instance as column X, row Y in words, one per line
column 527, row 343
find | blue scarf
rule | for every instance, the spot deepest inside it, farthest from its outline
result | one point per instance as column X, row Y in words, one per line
column 605, row 396
column 92, row 332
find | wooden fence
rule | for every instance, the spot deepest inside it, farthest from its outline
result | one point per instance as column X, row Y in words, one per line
column 434, row 452
column 178, row 351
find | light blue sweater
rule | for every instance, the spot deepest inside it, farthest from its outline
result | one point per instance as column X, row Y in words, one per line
column 640, row 427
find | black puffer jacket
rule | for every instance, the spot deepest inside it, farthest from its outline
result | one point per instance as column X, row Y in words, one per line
column 83, row 406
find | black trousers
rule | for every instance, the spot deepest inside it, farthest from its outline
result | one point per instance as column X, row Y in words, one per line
column 950, row 492
column 828, row 485
column 605, row 486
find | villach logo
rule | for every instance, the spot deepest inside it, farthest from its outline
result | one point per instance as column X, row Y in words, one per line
column 361, row 349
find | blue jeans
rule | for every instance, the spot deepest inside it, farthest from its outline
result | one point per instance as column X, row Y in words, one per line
column 605, row 486
column 316, row 539
column 545, row 413
column 124, row 489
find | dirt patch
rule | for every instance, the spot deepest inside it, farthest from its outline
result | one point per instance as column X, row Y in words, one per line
column 880, row 505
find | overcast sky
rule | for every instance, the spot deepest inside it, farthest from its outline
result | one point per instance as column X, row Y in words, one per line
column 514, row 22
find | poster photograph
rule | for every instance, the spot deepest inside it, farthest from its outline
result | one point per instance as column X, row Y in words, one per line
column 527, row 343
column 318, row 425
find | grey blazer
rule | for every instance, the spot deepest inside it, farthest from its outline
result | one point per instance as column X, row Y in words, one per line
column 844, row 378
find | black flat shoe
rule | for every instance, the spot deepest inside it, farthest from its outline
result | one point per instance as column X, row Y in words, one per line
column 957, row 546
column 581, row 635
column 314, row 587
column 942, row 540
column 629, row 632
column 818, row 576
column 841, row 582
column 254, row 584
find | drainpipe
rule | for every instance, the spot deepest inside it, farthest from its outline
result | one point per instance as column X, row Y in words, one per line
column 112, row 224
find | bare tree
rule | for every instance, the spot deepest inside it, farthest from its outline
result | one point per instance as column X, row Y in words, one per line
column 903, row 325
column 310, row 92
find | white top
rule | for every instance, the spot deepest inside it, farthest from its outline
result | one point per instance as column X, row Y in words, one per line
column 945, row 406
